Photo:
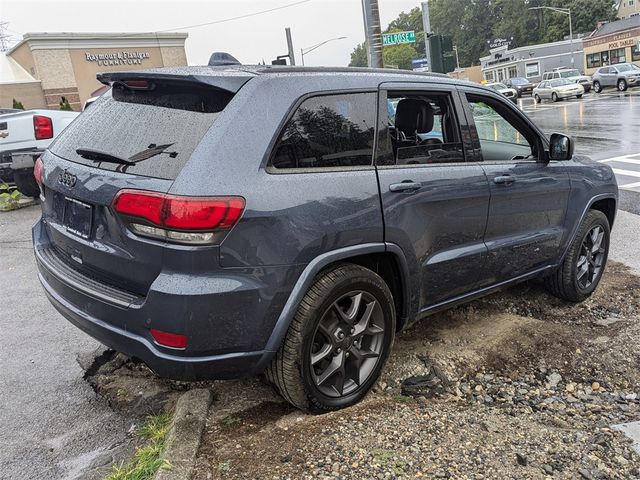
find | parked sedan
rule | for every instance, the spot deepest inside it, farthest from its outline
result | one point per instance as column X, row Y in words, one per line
column 557, row 89
column 521, row 85
column 621, row 76
column 510, row 93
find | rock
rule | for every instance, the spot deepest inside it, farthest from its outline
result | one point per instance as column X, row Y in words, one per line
column 571, row 387
column 521, row 459
column 595, row 386
column 478, row 388
column 584, row 473
column 554, row 379
column 548, row 469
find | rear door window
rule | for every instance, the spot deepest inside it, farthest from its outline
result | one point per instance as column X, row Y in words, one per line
column 150, row 133
column 328, row 131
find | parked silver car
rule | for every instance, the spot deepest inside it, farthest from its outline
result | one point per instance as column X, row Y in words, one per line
column 510, row 93
column 621, row 76
column 557, row 89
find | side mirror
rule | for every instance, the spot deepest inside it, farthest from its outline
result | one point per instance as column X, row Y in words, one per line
column 560, row 147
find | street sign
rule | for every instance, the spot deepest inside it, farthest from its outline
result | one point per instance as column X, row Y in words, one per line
column 398, row 38
column 420, row 65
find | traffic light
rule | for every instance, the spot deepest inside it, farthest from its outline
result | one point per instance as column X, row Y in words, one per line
column 442, row 56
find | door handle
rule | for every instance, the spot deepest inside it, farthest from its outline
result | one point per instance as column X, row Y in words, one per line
column 504, row 180
column 405, row 186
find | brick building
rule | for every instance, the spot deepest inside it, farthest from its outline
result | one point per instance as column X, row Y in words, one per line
column 44, row 67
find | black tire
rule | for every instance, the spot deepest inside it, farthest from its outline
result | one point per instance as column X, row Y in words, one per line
column 597, row 87
column 25, row 183
column 537, row 98
column 622, row 85
column 578, row 96
column 554, row 96
column 292, row 372
column 565, row 282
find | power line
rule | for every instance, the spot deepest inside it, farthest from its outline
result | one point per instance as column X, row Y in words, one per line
column 215, row 22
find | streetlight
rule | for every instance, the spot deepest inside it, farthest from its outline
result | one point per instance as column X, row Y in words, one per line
column 455, row 49
column 566, row 11
column 304, row 51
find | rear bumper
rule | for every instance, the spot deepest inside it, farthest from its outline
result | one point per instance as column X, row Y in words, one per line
column 224, row 323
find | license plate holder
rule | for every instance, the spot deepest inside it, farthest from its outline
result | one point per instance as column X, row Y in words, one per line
column 78, row 217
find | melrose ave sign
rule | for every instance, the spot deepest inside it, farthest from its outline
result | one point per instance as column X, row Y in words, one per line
column 398, row 38
column 117, row 58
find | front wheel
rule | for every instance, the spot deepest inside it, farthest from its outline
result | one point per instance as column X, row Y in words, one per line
column 578, row 96
column 554, row 96
column 581, row 271
column 537, row 98
column 338, row 341
column 622, row 85
column 597, row 87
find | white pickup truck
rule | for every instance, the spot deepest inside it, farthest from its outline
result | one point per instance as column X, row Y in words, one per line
column 24, row 135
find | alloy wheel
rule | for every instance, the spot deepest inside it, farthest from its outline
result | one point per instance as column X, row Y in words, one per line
column 347, row 344
column 591, row 257
column 622, row 85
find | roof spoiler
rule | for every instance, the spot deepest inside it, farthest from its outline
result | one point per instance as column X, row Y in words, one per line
column 228, row 83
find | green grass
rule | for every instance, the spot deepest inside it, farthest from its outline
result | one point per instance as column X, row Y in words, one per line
column 146, row 461
column 229, row 421
column 386, row 458
column 402, row 398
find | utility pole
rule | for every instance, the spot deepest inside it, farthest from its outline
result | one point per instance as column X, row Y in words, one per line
column 455, row 49
column 373, row 33
column 292, row 59
column 565, row 11
column 426, row 27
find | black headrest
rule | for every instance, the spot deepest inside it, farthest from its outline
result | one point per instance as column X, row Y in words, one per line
column 414, row 115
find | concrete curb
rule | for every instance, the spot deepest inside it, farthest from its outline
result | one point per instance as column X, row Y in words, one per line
column 184, row 437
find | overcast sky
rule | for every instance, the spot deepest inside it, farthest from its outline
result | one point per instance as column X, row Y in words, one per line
column 249, row 39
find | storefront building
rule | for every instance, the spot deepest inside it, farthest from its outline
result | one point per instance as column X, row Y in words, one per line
column 49, row 66
column 614, row 42
column 531, row 62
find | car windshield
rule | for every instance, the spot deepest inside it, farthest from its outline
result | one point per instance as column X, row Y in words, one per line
column 519, row 81
column 558, row 82
column 570, row 73
column 498, row 86
column 625, row 67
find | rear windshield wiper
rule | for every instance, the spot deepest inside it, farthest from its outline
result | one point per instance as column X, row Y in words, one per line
column 98, row 156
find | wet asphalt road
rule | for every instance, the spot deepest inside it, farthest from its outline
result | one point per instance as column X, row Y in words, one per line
column 605, row 126
column 53, row 426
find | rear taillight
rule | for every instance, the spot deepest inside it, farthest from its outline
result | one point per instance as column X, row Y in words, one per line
column 38, row 172
column 171, row 340
column 191, row 220
column 42, row 127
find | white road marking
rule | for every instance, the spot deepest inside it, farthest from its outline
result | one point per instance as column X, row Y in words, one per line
column 630, row 186
column 626, row 173
column 624, row 159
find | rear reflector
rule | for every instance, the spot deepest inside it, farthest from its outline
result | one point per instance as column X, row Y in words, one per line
column 197, row 220
column 42, row 127
column 38, row 171
column 171, row 340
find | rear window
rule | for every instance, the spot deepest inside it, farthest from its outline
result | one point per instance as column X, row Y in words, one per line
column 151, row 133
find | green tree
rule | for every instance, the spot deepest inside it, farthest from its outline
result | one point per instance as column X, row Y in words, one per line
column 410, row 21
column 18, row 105
column 359, row 56
column 64, row 104
column 399, row 56
column 585, row 15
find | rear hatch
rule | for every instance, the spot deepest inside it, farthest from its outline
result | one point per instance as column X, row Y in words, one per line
column 137, row 136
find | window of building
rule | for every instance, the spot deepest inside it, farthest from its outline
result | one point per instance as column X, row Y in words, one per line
column 635, row 53
column 513, row 72
column 617, row 56
column 532, row 69
column 594, row 60
column 489, row 76
column 329, row 131
column 423, row 129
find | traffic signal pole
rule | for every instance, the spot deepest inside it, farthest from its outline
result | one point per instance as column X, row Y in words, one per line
column 426, row 27
column 373, row 33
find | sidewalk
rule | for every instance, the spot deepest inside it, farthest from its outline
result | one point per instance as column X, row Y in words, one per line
column 625, row 240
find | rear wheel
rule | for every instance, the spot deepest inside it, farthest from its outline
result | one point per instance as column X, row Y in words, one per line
column 581, row 271
column 25, row 183
column 579, row 96
column 597, row 87
column 554, row 96
column 338, row 341
column 622, row 85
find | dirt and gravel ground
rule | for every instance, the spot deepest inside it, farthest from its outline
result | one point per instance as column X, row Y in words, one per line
column 518, row 385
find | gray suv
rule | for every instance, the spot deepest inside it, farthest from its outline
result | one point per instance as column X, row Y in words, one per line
column 217, row 222
column 621, row 76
